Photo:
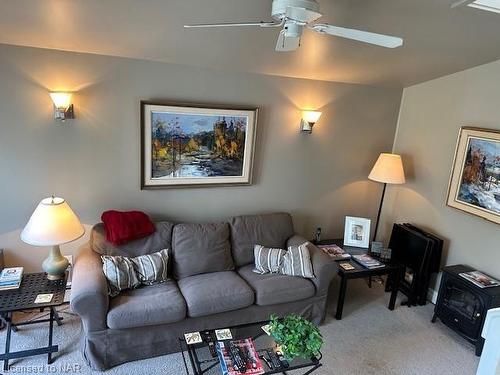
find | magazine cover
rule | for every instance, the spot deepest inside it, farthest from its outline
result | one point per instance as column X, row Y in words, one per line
column 334, row 251
column 367, row 261
column 11, row 274
column 480, row 279
column 239, row 357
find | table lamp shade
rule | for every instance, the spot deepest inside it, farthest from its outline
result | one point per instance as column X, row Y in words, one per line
column 52, row 223
column 388, row 169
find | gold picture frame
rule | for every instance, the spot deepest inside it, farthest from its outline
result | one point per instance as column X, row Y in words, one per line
column 474, row 185
column 194, row 145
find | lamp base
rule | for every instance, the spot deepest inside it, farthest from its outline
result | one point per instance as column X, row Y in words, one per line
column 55, row 265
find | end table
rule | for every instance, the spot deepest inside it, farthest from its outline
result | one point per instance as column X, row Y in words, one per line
column 391, row 269
column 23, row 298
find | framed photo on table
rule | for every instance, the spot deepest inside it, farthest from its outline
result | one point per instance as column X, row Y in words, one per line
column 187, row 145
column 357, row 232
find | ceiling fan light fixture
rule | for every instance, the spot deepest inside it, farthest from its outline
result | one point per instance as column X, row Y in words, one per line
column 294, row 15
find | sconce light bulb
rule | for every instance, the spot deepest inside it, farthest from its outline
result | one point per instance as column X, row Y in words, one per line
column 63, row 109
column 311, row 116
column 62, row 100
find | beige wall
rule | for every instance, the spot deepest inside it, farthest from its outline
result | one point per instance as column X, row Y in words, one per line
column 430, row 118
column 93, row 161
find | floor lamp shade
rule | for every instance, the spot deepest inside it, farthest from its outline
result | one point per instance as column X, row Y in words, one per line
column 388, row 169
column 53, row 223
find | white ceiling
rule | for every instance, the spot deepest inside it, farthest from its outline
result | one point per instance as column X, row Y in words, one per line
column 438, row 40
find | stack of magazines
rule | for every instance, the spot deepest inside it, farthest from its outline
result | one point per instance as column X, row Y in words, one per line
column 480, row 279
column 10, row 278
column 367, row 261
column 239, row 357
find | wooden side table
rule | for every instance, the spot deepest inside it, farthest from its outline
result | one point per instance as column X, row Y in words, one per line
column 23, row 298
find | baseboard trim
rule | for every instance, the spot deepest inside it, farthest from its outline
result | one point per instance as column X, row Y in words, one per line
column 432, row 295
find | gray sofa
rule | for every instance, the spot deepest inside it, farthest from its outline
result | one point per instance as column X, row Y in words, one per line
column 212, row 286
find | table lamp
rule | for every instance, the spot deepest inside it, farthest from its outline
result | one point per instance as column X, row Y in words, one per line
column 389, row 170
column 53, row 223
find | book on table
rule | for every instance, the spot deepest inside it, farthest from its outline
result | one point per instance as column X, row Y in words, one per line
column 10, row 278
column 367, row 261
column 239, row 357
column 480, row 279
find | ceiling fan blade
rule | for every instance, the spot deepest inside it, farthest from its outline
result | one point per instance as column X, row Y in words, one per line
column 304, row 15
column 459, row 3
column 235, row 24
column 361, row 36
column 287, row 43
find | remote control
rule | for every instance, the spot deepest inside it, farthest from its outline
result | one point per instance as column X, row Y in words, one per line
column 283, row 361
column 239, row 364
column 274, row 359
column 268, row 363
column 208, row 338
column 211, row 347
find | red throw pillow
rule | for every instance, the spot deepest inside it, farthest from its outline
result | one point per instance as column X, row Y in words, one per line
column 123, row 227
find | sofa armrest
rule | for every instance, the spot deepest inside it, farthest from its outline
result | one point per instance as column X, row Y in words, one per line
column 323, row 266
column 89, row 294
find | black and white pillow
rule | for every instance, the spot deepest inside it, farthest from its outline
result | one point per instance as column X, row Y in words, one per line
column 297, row 262
column 120, row 273
column 268, row 260
column 124, row 273
column 152, row 268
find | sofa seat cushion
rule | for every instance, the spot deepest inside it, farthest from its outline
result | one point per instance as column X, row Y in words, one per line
column 215, row 292
column 272, row 289
column 149, row 305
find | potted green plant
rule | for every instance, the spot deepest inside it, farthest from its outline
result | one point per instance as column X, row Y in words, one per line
column 297, row 337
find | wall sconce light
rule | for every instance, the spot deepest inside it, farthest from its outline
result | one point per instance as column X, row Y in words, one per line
column 309, row 118
column 63, row 109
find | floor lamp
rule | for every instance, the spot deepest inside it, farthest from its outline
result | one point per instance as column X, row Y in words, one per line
column 388, row 170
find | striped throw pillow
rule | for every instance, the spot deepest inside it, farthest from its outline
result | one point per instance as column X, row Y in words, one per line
column 297, row 262
column 152, row 268
column 120, row 273
column 267, row 260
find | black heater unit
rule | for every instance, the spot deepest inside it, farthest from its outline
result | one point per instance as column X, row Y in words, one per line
column 420, row 253
column 462, row 305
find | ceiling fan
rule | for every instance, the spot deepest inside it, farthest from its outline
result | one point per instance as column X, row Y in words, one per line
column 294, row 15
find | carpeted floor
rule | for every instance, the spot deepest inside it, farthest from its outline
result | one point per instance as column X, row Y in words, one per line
column 369, row 339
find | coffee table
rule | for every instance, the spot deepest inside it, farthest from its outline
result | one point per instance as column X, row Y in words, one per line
column 202, row 361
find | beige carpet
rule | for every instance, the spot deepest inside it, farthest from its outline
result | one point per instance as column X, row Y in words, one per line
column 369, row 339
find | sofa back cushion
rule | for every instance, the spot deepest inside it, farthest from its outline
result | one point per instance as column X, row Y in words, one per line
column 159, row 240
column 270, row 230
column 201, row 248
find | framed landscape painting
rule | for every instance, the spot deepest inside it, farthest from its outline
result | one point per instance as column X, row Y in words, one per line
column 475, row 178
column 194, row 145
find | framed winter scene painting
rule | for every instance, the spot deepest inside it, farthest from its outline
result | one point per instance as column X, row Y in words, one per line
column 475, row 178
column 196, row 145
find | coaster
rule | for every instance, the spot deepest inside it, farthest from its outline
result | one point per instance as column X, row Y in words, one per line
column 223, row 334
column 193, row 338
column 347, row 266
column 267, row 329
column 44, row 298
